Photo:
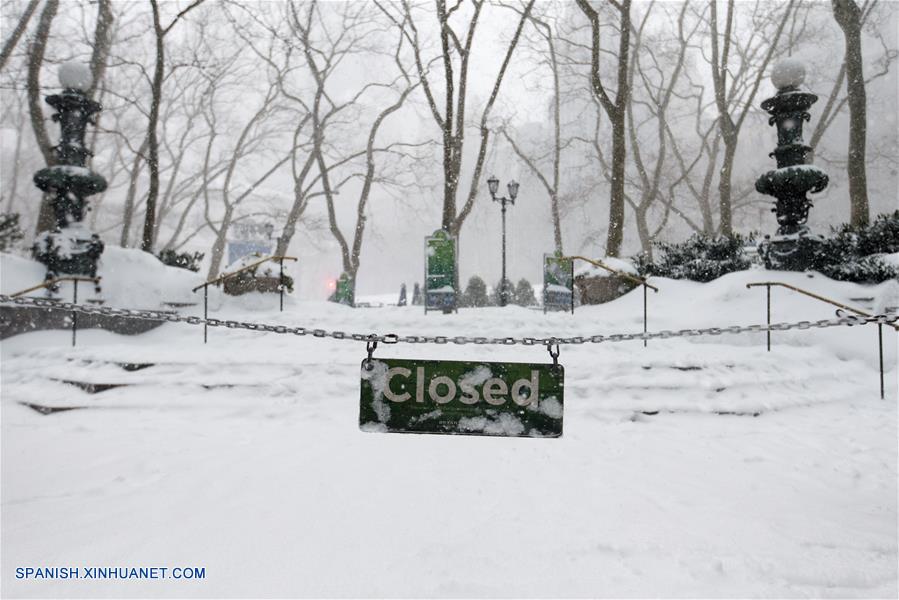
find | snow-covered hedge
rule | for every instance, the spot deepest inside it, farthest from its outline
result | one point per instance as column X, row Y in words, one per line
column 865, row 254
column 700, row 258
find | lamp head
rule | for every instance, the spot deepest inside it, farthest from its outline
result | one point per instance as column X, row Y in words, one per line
column 788, row 74
column 75, row 75
column 513, row 189
column 493, row 185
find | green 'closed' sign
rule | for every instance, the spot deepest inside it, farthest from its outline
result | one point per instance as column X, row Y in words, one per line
column 472, row 398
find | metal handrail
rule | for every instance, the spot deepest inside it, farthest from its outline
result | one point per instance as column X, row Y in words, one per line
column 638, row 280
column 602, row 265
column 205, row 286
column 239, row 271
column 830, row 301
column 51, row 282
column 54, row 281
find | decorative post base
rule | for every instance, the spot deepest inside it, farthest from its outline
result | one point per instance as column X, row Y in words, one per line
column 72, row 250
column 795, row 252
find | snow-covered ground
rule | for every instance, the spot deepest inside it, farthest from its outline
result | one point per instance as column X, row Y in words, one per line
column 244, row 457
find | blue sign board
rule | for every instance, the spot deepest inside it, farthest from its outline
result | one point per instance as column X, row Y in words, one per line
column 241, row 248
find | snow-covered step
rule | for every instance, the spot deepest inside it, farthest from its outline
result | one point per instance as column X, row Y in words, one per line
column 708, row 378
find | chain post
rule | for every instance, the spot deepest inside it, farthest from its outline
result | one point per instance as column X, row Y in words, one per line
column 644, row 314
column 880, row 352
column 281, row 283
column 571, row 264
column 74, row 312
column 205, row 311
column 768, row 288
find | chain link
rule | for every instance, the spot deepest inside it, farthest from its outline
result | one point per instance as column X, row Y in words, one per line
column 392, row 338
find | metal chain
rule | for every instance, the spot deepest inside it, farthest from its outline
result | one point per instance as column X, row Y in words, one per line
column 392, row 338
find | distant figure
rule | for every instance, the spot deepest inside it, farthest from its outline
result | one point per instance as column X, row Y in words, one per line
column 402, row 300
column 417, row 300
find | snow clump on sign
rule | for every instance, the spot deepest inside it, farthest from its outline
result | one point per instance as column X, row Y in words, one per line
column 375, row 372
column 551, row 407
column 477, row 376
column 504, row 424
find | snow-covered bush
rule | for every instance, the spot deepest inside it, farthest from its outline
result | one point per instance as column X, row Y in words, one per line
column 10, row 232
column 700, row 258
column 859, row 254
column 524, row 294
column 475, row 294
column 182, row 260
column 265, row 277
column 867, row 269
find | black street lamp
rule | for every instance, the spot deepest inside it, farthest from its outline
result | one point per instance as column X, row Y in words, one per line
column 793, row 248
column 70, row 247
column 512, row 187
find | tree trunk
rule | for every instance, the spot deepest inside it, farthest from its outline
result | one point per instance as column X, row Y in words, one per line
column 450, row 163
column 643, row 232
column 102, row 42
column 616, row 111
column 725, row 206
column 705, row 199
column 557, row 221
column 14, row 177
column 731, row 122
column 17, row 33
column 128, row 214
column 616, row 198
column 45, row 220
column 152, row 140
column 848, row 16
column 218, row 247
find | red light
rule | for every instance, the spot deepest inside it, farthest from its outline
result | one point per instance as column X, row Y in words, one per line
column 332, row 284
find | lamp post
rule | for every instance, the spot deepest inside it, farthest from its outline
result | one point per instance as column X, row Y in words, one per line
column 512, row 187
column 70, row 247
column 793, row 248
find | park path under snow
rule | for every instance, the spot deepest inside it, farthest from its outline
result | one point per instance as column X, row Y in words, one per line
column 244, row 457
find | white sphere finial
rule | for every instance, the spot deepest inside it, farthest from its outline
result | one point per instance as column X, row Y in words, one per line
column 788, row 73
column 75, row 75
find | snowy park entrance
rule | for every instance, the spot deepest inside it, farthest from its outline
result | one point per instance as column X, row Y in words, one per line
column 713, row 465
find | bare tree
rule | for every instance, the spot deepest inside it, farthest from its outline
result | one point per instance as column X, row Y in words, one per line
column 256, row 130
column 658, row 81
column 17, row 117
column 152, row 135
column 326, row 39
column 728, row 125
column 837, row 98
column 45, row 219
column 616, row 110
column 456, row 50
column 35, row 61
column 848, row 16
column 550, row 181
